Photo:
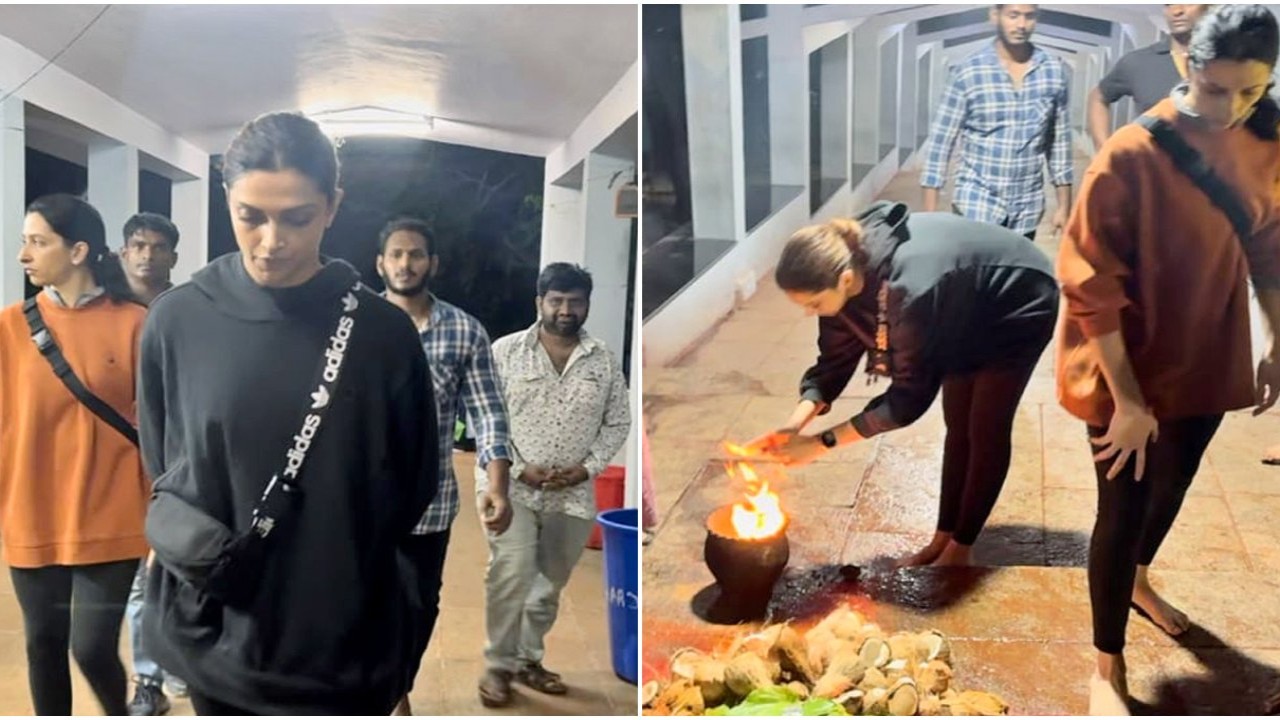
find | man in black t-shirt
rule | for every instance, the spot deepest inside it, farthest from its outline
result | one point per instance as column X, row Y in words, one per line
column 1147, row 75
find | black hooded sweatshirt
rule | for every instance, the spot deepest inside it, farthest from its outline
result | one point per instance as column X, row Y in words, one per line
column 963, row 296
column 226, row 373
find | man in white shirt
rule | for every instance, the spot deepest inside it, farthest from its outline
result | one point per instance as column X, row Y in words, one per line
column 569, row 416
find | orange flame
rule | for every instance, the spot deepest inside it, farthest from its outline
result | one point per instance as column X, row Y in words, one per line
column 761, row 517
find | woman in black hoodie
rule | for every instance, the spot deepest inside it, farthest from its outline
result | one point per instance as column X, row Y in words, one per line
column 936, row 301
column 286, row 413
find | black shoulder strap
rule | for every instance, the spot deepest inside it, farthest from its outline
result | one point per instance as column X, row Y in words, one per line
column 45, row 342
column 279, row 496
column 1192, row 164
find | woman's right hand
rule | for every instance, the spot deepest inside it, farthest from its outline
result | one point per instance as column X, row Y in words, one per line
column 766, row 444
column 1132, row 427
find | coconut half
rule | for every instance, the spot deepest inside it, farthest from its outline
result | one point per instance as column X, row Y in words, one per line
column 875, row 652
column 649, row 693
column 903, row 698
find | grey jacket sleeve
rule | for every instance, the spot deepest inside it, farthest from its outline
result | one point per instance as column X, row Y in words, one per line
column 917, row 376
column 839, row 350
column 151, row 400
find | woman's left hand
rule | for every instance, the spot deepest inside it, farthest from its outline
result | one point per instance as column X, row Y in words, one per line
column 795, row 449
column 1267, row 388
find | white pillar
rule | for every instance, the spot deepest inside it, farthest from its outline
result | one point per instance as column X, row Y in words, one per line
column 907, row 89
column 889, row 75
column 190, row 212
column 563, row 214
column 13, row 191
column 834, row 108
column 713, row 89
column 866, row 97
column 607, row 249
column 113, row 185
column 788, row 97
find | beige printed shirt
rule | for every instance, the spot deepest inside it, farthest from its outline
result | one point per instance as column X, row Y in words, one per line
column 580, row 417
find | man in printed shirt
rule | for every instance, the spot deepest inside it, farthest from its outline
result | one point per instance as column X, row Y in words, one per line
column 457, row 349
column 570, row 416
column 1009, row 104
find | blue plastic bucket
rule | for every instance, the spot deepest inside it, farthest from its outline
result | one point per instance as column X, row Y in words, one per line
column 622, row 589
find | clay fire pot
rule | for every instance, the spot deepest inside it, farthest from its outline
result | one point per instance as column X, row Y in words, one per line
column 745, row 569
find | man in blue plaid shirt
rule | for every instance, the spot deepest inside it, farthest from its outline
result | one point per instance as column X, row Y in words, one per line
column 458, row 353
column 1009, row 104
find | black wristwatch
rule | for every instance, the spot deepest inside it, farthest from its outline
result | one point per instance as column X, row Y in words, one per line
column 828, row 439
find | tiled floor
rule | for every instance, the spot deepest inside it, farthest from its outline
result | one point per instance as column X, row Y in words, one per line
column 1022, row 620
column 578, row 646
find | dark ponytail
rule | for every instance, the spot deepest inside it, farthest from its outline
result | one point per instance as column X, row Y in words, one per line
column 109, row 273
column 76, row 221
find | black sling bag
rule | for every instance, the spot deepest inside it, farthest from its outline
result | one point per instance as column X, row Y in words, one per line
column 43, row 339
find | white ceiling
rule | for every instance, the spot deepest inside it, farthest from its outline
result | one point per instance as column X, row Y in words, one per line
column 526, row 71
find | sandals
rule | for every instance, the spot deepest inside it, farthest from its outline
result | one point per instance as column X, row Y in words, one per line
column 495, row 688
column 542, row 679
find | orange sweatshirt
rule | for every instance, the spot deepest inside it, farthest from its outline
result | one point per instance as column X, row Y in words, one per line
column 1146, row 253
column 72, row 489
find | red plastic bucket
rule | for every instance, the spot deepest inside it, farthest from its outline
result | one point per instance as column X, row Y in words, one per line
column 611, row 493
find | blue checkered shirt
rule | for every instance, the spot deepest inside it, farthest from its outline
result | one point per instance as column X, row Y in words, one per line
column 458, row 352
column 1006, row 133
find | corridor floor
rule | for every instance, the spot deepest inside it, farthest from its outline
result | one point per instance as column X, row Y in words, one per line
column 1020, row 619
column 578, row 646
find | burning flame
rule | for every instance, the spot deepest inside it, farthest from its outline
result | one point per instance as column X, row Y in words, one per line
column 761, row 516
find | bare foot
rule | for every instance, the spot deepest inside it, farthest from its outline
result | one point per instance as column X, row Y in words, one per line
column 1109, row 687
column 955, row 555
column 1169, row 618
column 928, row 554
column 1105, row 699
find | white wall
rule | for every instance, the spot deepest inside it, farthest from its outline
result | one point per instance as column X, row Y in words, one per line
column 57, row 91
column 696, row 309
column 13, row 163
column 578, row 226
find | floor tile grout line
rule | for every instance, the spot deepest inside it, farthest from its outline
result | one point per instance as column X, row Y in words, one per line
column 1044, row 501
column 1226, row 501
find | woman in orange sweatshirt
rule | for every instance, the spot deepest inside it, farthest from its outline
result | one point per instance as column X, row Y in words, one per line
column 72, row 492
column 1155, row 346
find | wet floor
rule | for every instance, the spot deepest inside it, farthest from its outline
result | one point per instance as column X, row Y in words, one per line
column 1020, row 621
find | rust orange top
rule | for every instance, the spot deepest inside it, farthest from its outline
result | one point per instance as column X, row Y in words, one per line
column 1147, row 253
column 72, row 490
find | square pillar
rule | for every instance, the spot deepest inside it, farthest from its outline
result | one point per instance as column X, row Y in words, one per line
column 788, row 96
column 13, row 195
column 713, row 87
column 563, row 217
column 113, row 186
column 607, row 250
column 190, row 212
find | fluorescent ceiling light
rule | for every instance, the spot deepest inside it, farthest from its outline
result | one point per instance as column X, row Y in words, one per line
column 371, row 120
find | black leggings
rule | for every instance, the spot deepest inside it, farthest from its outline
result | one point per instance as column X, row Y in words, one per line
column 428, row 552
column 1134, row 518
column 979, row 410
column 80, row 607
